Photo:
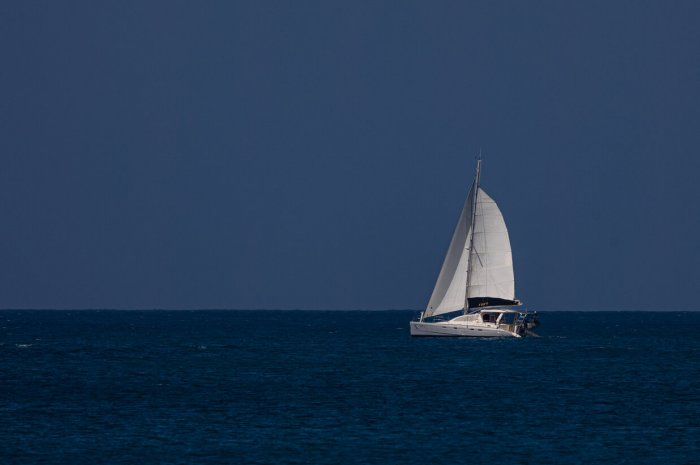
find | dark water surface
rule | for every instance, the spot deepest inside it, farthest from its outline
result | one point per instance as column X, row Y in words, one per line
column 132, row 387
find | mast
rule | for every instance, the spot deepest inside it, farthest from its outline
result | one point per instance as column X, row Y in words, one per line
column 471, row 228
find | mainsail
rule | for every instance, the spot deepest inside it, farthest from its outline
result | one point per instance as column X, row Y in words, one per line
column 484, row 274
column 491, row 260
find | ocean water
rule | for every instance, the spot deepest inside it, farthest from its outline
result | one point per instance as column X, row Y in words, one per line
column 313, row 387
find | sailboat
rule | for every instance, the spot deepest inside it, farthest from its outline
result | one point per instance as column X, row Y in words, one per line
column 475, row 291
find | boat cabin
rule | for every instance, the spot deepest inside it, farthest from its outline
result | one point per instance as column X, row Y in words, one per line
column 507, row 317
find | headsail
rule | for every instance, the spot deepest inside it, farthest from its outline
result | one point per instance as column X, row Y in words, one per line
column 448, row 294
column 491, row 261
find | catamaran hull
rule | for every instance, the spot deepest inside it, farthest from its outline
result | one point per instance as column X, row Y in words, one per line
column 419, row 328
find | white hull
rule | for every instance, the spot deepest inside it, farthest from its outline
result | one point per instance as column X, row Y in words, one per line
column 464, row 326
column 446, row 329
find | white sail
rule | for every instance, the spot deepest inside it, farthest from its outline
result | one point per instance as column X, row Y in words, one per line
column 449, row 292
column 491, row 266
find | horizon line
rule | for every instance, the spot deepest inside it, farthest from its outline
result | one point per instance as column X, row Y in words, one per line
column 214, row 309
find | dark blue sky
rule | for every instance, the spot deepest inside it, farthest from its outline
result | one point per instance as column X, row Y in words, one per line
column 316, row 154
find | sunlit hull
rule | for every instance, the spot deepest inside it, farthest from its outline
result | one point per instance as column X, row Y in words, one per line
column 461, row 329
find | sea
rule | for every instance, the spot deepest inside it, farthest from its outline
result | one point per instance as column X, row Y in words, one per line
column 345, row 387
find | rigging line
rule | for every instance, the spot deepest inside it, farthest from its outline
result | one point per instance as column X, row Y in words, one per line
column 478, row 256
